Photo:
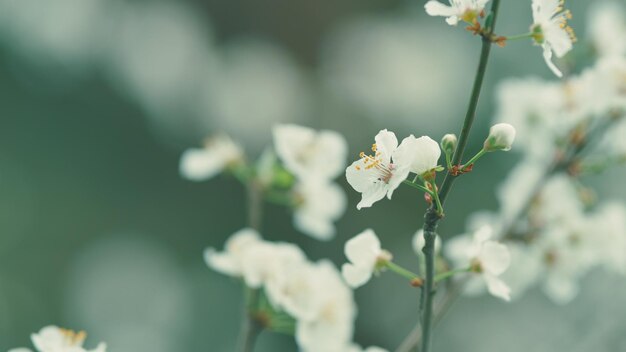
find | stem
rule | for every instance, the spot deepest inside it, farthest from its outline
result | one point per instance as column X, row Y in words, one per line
column 417, row 186
column 451, row 273
column 251, row 328
column 432, row 218
column 435, row 195
column 520, row 36
column 401, row 271
column 474, row 159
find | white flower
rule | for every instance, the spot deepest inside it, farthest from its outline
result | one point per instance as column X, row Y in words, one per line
column 54, row 339
column 229, row 262
column 458, row 10
column 319, row 204
column 487, row 258
column 219, row 152
column 607, row 29
column 310, row 154
column 331, row 328
column 501, row 137
column 264, row 262
column 363, row 251
column 550, row 30
column 379, row 175
column 609, row 238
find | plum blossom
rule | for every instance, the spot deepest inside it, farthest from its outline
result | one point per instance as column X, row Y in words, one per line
column 54, row 339
column 550, row 30
column 458, row 10
column 219, row 153
column 310, row 154
column 318, row 205
column 379, row 175
column 485, row 257
column 313, row 294
column 229, row 262
column 364, row 253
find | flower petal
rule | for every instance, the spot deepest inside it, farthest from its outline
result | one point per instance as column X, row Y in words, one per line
column 547, row 56
column 497, row 287
column 386, row 144
column 495, row 257
column 355, row 276
column 200, row 164
column 363, row 249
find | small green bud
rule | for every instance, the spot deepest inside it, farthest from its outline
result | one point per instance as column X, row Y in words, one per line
column 448, row 143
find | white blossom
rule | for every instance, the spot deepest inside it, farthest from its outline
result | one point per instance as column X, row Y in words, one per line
column 458, row 10
column 319, row 204
column 607, row 29
column 550, row 30
column 501, row 137
column 54, row 339
column 229, row 262
column 363, row 251
column 331, row 329
column 487, row 258
column 380, row 174
column 310, row 154
column 219, row 152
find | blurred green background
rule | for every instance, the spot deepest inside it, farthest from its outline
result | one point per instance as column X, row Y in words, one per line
column 99, row 98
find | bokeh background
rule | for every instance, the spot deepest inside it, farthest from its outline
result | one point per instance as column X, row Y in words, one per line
column 98, row 98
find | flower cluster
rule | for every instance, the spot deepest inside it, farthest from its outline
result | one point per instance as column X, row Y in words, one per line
column 55, row 339
column 564, row 237
column 303, row 180
column 313, row 294
column 548, row 30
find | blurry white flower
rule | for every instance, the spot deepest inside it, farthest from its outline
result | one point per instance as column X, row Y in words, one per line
column 607, row 28
column 364, row 252
column 603, row 87
column 55, row 339
column 310, row 154
column 550, row 30
column 219, row 152
column 609, row 237
column 541, row 111
column 486, row 257
column 331, row 328
column 319, row 203
column 419, row 242
column 501, row 137
column 520, row 184
column 229, row 262
column 458, row 10
column 379, row 175
column 263, row 262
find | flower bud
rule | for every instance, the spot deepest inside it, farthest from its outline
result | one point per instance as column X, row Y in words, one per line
column 448, row 143
column 501, row 137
